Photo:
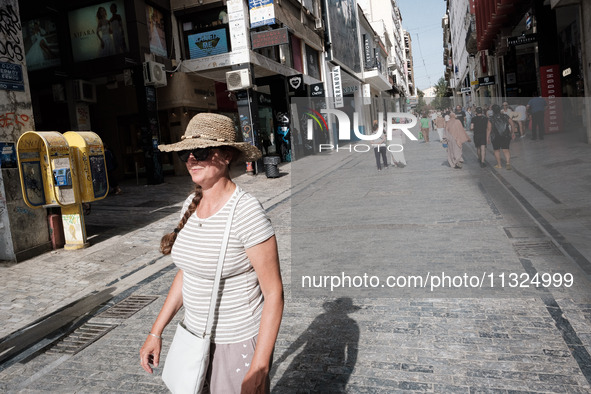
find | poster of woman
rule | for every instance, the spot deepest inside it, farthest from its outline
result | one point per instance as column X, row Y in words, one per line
column 156, row 33
column 41, row 45
column 98, row 31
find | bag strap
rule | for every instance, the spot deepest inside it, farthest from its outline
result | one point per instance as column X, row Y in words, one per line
column 218, row 273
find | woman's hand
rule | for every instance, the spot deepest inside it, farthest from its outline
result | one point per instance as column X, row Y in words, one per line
column 150, row 353
column 255, row 382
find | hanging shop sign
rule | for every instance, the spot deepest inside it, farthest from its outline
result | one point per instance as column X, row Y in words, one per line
column 522, row 39
column 337, row 87
column 295, row 82
column 317, row 90
column 269, row 38
column 552, row 89
column 486, row 81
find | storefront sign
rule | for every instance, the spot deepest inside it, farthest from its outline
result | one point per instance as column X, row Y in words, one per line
column 295, row 82
column 317, row 90
column 367, row 51
column 337, row 87
column 551, row 89
column 350, row 89
column 486, row 81
column 261, row 13
column 522, row 39
column 366, row 89
column 269, row 38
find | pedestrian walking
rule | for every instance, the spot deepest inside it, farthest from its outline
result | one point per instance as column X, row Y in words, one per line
column 432, row 116
column 500, row 131
column 379, row 147
column 519, row 118
column 250, row 300
column 479, row 125
column 469, row 115
column 460, row 114
column 440, row 125
column 111, row 163
column 397, row 149
column 456, row 136
column 537, row 107
column 425, row 126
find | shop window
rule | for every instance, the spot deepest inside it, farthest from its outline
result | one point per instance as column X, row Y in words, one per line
column 296, row 50
column 312, row 62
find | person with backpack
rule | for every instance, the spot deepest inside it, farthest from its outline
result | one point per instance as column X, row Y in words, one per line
column 500, row 131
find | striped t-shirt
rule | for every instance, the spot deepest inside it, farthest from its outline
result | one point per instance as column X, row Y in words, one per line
column 196, row 251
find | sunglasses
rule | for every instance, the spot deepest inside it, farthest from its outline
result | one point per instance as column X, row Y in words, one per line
column 200, row 154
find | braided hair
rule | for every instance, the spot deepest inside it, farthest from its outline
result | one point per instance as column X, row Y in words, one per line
column 168, row 239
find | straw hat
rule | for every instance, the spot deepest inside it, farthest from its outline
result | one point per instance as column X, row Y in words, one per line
column 212, row 130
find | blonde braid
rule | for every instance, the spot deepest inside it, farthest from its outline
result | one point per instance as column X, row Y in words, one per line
column 168, row 239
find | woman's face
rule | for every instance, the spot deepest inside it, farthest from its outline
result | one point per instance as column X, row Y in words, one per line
column 209, row 171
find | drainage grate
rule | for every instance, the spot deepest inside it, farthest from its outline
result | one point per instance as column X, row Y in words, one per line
column 127, row 307
column 83, row 337
column 523, row 232
column 532, row 249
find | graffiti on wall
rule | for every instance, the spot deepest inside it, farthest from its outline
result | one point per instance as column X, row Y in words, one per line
column 12, row 119
column 11, row 47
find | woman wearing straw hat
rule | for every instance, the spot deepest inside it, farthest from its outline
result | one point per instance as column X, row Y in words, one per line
column 245, row 328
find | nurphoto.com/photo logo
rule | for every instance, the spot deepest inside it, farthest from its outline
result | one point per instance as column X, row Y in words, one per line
column 392, row 129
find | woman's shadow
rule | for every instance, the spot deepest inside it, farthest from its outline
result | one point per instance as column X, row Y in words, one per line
column 329, row 355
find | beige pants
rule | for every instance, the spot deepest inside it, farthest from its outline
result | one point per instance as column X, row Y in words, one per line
column 228, row 364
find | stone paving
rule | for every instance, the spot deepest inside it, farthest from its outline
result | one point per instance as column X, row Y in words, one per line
column 357, row 343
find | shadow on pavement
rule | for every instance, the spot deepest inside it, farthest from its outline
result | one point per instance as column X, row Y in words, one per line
column 136, row 207
column 329, row 355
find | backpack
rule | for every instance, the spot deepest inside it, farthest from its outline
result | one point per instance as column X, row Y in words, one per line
column 501, row 125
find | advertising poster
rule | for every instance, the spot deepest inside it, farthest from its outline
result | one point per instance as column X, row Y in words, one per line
column 261, row 13
column 209, row 43
column 98, row 31
column 41, row 44
column 7, row 155
column 343, row 23
column 156, row 33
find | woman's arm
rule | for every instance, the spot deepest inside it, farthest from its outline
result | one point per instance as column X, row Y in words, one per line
column 150, row 351
column 265, row 260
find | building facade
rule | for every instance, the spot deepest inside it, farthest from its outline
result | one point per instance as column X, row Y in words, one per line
column 506, row 49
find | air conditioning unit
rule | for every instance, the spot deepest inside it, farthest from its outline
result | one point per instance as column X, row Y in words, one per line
column 84, row 91
column 318, row 24
column 154, row 74
column 238, row 79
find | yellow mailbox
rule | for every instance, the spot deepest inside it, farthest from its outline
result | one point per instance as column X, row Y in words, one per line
column 47, row 174
column 89, row 158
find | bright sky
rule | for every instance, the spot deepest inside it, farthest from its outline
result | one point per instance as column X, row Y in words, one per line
column 422, row 19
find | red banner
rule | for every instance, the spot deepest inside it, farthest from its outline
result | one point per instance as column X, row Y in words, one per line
column 552, row 91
